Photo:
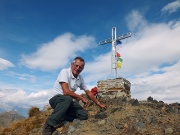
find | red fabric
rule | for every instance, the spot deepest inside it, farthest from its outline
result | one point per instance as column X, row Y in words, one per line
column 94, row 91
column 118, row 54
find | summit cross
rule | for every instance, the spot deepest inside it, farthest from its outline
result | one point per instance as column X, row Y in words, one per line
column 114, row 41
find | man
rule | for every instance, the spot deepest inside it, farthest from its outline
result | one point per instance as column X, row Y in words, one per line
column 64, row 97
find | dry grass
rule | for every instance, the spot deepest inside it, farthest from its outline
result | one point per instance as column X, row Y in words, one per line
column 23, row 127
column 33, row 111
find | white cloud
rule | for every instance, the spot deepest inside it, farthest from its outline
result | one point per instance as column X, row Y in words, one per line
column 158, row 44
column 150, row 61
column 40, row 98
column 24, row 77
column 163, row 86
column 4, row 64
column 12, row 95
column 171, row 7
column 55, row 54
column 96, row 70
column 20, row 97
column 135, row 21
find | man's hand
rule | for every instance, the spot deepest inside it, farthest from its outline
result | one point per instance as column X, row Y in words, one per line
column 85, row 101
column 102, row 105
column 91, row 96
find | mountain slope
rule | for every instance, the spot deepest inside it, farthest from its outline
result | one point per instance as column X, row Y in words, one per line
column 123, row 116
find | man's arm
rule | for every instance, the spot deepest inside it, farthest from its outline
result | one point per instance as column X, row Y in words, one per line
column 68, row 92
column 91, row 96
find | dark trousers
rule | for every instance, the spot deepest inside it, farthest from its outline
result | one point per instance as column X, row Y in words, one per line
column 65, row 109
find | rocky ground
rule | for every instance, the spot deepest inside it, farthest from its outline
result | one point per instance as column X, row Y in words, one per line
column 122, row 117
column 127, row 117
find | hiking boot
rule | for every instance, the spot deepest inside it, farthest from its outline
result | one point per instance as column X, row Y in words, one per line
column 47, row 129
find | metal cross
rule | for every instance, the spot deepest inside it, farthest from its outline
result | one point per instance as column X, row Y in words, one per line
column 114, row 40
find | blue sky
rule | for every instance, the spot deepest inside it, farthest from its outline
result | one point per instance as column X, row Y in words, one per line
column 40, row 37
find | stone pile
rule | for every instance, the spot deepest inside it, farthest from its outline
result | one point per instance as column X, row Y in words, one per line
column 114, row 88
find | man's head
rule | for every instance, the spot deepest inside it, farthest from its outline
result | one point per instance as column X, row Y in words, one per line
column 77, row 66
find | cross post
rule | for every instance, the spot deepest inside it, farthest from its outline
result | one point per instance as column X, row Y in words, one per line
column 114, row 41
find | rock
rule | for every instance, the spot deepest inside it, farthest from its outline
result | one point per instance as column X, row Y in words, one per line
column 101, row 122
column 150, row 99
column 151, row 119
column 141, row 127
column 101, row 115
column 168, row 131
column 126, row 126
column 71, row 129
column 134, row 102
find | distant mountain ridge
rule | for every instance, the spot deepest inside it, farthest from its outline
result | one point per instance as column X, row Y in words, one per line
column 7, row 118
column 5, row 106
column 20, row 110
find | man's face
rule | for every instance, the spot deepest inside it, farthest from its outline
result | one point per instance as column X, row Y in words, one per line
column 77, row 66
